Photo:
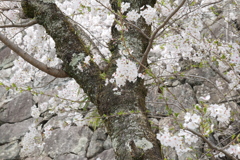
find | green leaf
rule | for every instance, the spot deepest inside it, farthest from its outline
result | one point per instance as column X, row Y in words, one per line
column 162, row 47
column 182, row 75
column 95, row 120
column 121, row 113
column 14, row 85
column 214, row 59
column 223, row 56
column 149, row 72
column 193, row 3
column 232, row 64
column 200, row 65
column 213, row 9
column 169, row 110
column 103, row 75
column 107, row 60
column 132, row 111
column 29, row 88
column 181, row 125
column 160, row 97
column 205, row 109
column 119, row 3
column 209, row 155
column 197, row 107
column 176, row 114
column 89, row 9
column 79, row 91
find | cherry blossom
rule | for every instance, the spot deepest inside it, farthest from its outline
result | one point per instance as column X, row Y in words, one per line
column 220, row 112
column 133, row 15
column 183, row 39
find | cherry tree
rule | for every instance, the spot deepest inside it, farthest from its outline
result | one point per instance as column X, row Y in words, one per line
column 106, row 48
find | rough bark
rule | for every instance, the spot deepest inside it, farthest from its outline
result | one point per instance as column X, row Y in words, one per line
column 125, row 114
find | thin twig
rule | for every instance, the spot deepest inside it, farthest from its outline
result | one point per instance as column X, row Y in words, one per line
column 219, row 73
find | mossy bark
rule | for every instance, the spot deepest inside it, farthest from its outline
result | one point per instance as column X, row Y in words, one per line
column 125, row 114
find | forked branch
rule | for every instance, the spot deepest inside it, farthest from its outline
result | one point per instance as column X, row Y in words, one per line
column 145, row 55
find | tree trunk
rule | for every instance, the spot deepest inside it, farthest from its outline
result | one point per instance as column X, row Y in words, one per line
column 124, row 115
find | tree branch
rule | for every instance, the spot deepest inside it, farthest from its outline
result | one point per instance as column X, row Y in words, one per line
column 210, row 144
column 219, row 72
column 72, row 45
column 145, row 55
column 28, row 24
column 51, row 71
column 12, row 0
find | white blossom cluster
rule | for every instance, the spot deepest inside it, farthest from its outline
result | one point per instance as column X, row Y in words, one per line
column 232, row 149
column 147, row 12
column 124, row 6
column 72, row 118
column 10, row 10
column 92, row 17
column 220, row 112
column 70, row 91
column 192, row 121
column 96, row 58
column 126, row 71
column 42, row 48
column 47, row 131
column 133, row 15
column 31, row 141
column 234, row 80
column 235, row 58
column 182, row 141
column 35, row 111
column 179, row 142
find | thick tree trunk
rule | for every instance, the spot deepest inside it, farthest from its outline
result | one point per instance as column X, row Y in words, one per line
column 131, row 134
column 125, row 114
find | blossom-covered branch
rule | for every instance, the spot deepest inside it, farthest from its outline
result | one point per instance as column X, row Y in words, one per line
column 51, row 71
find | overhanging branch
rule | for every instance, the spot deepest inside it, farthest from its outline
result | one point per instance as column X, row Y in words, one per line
column 28, row 24
column 51, row 71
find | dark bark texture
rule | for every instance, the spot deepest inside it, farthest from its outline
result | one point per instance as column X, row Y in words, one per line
column 125, row 114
